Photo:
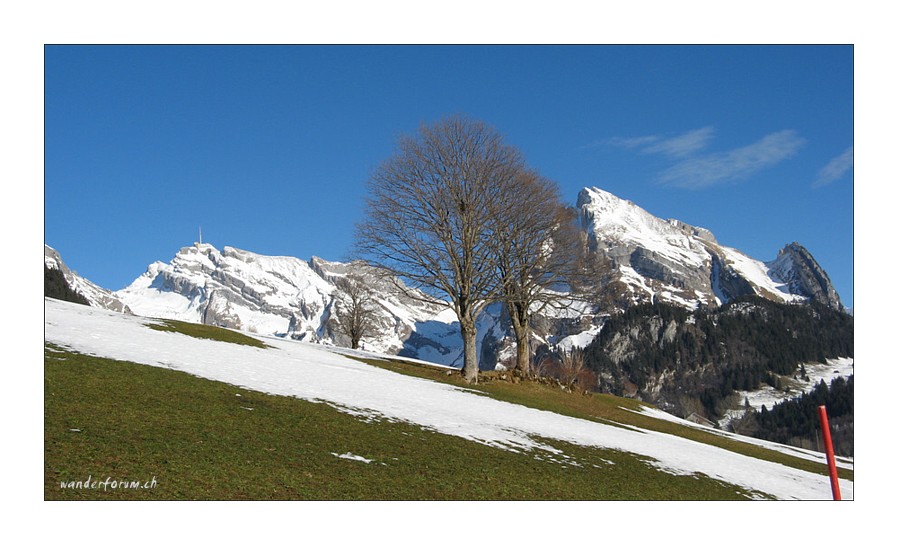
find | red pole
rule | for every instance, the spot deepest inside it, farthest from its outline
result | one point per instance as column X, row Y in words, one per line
column 829, row 451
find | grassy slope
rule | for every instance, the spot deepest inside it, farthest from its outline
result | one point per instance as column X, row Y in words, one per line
column 207, row 440
column 604, row 408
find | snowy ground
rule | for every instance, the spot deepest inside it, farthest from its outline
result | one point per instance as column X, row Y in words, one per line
column 318, row 373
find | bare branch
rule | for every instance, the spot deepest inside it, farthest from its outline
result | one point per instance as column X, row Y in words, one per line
column 536, row 247
column 354, row 309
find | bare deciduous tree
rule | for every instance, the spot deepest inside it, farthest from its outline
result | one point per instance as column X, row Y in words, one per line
column 430, row 217
column 537, row 246
column 571, row 365
column 569, row 369
column 355, row 310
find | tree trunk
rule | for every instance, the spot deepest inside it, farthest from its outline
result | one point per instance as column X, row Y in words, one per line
column 519, row 319
column 470, row 354
column 523, row 352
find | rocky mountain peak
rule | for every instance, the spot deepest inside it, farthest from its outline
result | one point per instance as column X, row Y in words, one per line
column 796, row 267
column 278, row 295
column 647, row 259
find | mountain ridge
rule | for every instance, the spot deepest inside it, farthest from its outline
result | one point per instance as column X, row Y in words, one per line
column 637, row 258
column 673, row 261
column 278, row 295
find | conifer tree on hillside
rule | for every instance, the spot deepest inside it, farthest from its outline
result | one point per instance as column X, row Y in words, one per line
column 56, row 286
column 711, row 353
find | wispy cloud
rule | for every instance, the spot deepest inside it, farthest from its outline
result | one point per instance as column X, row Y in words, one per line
column 679, row 146
column 835, row 169
column 694, row 170
column 698, row 172
column 682, row 145
column 625, row 142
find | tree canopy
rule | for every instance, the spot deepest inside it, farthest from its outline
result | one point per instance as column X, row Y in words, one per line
column 431, row 216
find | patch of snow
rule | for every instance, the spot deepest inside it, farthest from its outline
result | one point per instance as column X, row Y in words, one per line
column 580, row 340
column 351, row 456
column 757, row 272
column 811, row 455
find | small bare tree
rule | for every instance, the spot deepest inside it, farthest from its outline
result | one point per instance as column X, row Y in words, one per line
column 355, row 309
column 571, row 366
column 569, row 369
column 430, row 217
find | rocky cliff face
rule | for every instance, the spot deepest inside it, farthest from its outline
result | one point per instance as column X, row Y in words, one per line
column 651, row 259
column 797, row 268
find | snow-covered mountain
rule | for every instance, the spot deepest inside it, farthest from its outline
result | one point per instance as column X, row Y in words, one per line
column 95, row 295
column 638, row 258
column 290, row 297
column 642, row 257
column 287, row 296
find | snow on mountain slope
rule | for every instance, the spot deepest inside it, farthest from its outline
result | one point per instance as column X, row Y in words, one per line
column 624, row 225
column 685, row 265
column 759, row 275
column 313, row 372
column 94, row 294
column 232, row 288
column 768, row 396
column 640, row 258
column 286, row 296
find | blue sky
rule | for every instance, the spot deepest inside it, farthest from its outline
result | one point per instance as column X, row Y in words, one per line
column 269, row 148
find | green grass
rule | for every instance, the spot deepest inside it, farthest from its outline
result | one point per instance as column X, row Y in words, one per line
column 207, row 440
column 598, row 407
column 206, row 331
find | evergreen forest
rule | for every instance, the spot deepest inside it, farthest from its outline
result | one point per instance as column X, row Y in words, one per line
column 693, row 362
column 55, row 286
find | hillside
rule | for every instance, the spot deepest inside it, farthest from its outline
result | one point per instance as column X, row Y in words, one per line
column 549, row 432
column 708, row 362
column 62, row 281
column 56, row 286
